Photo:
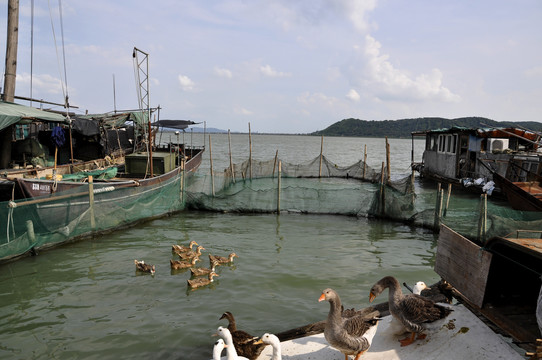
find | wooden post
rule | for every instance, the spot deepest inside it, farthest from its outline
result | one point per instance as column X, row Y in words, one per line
column 275, row 162
column 10, row 72
column 91, row 202
column 182, row 179
column 447, row 199
column 150, row 147
column 482, row 220
column 321, row 154
column 388, row 162
column 412, row 186
column 278, row 187
column 382, row 190
column 438, row 208
column 364, row 161
column 250, row 150
column 231, row 160
column 211, row 164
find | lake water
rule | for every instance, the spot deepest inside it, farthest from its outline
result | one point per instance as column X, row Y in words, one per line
column 85, row 300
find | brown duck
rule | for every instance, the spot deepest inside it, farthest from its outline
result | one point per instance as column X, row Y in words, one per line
column 179, row 264
column 141, row 266
column 223, row 259
column 190, row 254
column 181, row 248
column 204, row 271
column 415, row 312
column 244, row 343
column 350, row 335
column 199, row 282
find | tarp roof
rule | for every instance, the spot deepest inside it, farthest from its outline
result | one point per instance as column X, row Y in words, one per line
column 174, row 124
column 11, row 113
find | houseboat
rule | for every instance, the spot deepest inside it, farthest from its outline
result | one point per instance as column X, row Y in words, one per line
column 468, row 157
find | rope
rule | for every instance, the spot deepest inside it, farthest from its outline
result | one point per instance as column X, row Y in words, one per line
column 62, row 81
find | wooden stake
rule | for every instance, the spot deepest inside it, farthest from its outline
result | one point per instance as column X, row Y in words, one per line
column 388, row 163
column 231, row 160
column 438, row 208
column 91, row 202
column 250, row 150
column 275, row 163
column 447, row 199
column 364, row 161
column 211, row 164
column 182, row 179
column 382, row 195
column 321, row 154
column 278, row 187
column 482, row 221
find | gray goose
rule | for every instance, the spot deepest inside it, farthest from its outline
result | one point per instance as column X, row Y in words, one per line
column 414, row 311
column 245, row 344
column 350, row 335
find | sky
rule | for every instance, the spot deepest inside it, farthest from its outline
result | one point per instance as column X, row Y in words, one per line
column 286, row 66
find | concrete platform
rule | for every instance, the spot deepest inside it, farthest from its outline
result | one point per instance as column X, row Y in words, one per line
column 462, row 336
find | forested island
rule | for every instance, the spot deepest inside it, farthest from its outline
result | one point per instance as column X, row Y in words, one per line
column 404, row 127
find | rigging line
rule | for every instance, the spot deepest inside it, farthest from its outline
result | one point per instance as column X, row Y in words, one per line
column 63, row 52
column 31, row 47
column 56, row 48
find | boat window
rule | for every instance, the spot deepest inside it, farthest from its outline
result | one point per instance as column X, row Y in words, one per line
column 447, row 143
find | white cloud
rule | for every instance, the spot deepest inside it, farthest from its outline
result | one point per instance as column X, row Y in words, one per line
column 270, row 72
column 225, row 73
column 536, row 71
column 353, row 95
column 242, row 111
column 186, row 83
column 307, row 98
column 43, row 83
column 388, row 82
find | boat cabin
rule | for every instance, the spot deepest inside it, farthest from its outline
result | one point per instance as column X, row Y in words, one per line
column 458, row 153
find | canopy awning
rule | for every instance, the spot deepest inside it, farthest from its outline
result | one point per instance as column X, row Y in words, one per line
column 174, row 124
column 11, row 113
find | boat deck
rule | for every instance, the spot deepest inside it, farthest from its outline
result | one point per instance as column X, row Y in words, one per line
column 461, row 336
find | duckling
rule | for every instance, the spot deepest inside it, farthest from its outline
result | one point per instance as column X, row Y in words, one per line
column 415, row 312
column 141, row 266
column 204, row 271
column 182, row 248
column 350, row 335
column 245, row 344
column 190, row 254
column 223, row 259
column 273, row 340
column 199, row 282
column 179, row 264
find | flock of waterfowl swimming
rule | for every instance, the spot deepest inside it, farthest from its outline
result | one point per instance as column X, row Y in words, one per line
column 348, row 331
column 187, row 260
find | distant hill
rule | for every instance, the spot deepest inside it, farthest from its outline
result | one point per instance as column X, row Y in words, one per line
column 404, row 127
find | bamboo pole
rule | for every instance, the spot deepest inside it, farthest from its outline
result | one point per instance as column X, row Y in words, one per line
column 482, row 220
column 275, row 162
column 231, row 160
column 91, row 201
column 250, row 150
column 278, row 187
column 364, row 161
column 182, row 179
column 388, row 162
column 438, row 208
column 211, row 164
column 382, row 189
column 321, row 155
column 447, row 200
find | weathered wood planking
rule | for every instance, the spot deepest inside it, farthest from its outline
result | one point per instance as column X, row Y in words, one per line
column 463, row 264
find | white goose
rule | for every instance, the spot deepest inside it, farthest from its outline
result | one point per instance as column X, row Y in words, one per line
column 273, row 340
column 418, row 287
column 217, row 349
column 225, row 334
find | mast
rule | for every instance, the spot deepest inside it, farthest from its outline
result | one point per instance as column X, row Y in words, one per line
column 9, row 77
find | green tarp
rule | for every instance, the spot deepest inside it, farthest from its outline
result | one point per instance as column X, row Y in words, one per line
column 11, row 113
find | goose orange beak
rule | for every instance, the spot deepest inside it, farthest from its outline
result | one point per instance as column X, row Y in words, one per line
column 322, row 297
column 371, row 297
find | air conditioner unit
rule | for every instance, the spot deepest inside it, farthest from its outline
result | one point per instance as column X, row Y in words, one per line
column 497, row 144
